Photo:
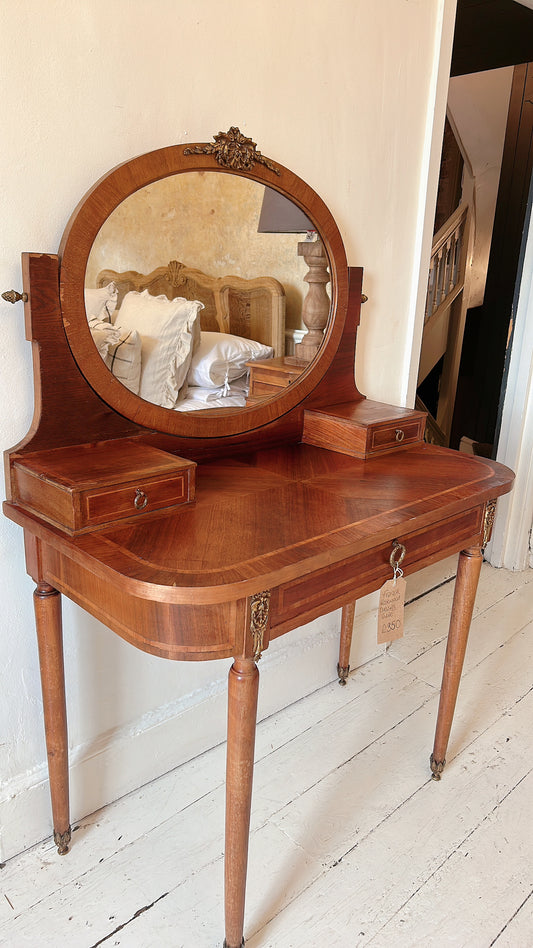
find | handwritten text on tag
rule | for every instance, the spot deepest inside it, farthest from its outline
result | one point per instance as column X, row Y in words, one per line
column 390, row 611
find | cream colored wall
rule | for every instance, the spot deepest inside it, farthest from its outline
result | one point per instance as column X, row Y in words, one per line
column 343, row 93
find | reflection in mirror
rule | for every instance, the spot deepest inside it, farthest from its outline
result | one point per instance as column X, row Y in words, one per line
column 165, row 316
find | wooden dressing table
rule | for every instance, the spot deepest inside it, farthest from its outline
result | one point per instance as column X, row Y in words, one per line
column 208, row 535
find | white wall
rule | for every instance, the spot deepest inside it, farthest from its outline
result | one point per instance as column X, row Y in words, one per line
column 343, row 93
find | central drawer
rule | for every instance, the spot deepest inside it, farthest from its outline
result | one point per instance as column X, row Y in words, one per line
column 324, row 590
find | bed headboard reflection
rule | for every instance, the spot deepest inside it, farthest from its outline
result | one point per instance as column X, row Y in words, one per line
column 253, row 309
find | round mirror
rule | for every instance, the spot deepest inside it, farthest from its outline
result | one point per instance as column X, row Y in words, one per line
column 178, row 238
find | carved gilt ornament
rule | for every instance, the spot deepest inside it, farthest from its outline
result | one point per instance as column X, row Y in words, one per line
column 233, row 150
column 488, row 521
column 259, row 608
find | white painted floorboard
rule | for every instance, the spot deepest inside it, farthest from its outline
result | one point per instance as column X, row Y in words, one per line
column 352, row 843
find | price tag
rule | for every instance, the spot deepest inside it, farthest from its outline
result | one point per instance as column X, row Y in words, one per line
column 390, row 611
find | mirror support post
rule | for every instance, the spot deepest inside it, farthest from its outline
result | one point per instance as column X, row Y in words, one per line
column 316, row 306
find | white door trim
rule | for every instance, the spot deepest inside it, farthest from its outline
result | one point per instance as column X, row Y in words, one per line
column 510, row 545
column 427, row 196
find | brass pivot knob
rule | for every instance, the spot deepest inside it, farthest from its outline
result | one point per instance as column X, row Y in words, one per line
column 11, row 296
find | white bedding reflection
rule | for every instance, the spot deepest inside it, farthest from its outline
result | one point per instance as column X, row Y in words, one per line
column 232, row 395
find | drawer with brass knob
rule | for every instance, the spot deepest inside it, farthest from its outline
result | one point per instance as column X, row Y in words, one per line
column 363, row 429
column 89, row 486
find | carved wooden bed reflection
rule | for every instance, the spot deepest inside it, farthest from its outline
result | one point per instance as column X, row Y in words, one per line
column 250, row 313
column 253, row 309
column 202, row 535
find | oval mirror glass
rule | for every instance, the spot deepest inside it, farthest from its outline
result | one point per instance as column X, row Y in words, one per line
column 227, row 241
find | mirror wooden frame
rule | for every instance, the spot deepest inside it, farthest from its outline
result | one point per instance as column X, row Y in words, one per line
column 105, row 196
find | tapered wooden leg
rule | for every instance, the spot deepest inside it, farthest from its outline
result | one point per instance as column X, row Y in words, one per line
column 343, row 667
column 243, row 687
column 463, row 605
column 50, row 640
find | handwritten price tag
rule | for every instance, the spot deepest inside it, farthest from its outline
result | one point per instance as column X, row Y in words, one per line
column 390, row 611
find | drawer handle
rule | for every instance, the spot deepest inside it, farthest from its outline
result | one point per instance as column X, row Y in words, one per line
column 400, row 435
column 394, row 560
column 140, row 499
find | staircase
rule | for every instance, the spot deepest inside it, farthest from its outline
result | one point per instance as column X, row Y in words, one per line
column 445, row 314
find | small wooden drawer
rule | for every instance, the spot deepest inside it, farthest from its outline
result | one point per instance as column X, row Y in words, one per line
column 363, row 429
column 384, row 437
column 83, row 487
column 139, row 496
column 270, row 376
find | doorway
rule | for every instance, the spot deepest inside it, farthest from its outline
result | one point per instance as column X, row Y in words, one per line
column 490, row 36
column 489, row 322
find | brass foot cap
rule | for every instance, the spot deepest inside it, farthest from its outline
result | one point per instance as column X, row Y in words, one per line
column 62, row 841
column 225, row 945
column 437, row 766
column 343, row 671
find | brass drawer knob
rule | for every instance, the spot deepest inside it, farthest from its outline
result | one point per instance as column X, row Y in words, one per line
column 398, row 554
column 140, row 499
column 400, row 435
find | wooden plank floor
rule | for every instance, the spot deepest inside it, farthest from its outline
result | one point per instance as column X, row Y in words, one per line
column 352, row 844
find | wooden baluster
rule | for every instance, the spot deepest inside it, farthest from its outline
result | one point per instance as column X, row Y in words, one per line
column 430, row 296
column 433, row 286
column 442, row 276
column 317, row 304
column 445, row 269
column 438, row 259
column 458, row 249
column 449, row 267
column 47, row 602
column 451, row 272
column 243, row 687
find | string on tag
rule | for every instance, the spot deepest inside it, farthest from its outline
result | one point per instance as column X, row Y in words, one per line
column 392, row 598
column 397, row 573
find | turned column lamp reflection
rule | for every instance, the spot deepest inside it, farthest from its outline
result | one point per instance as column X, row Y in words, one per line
column 280, row 216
